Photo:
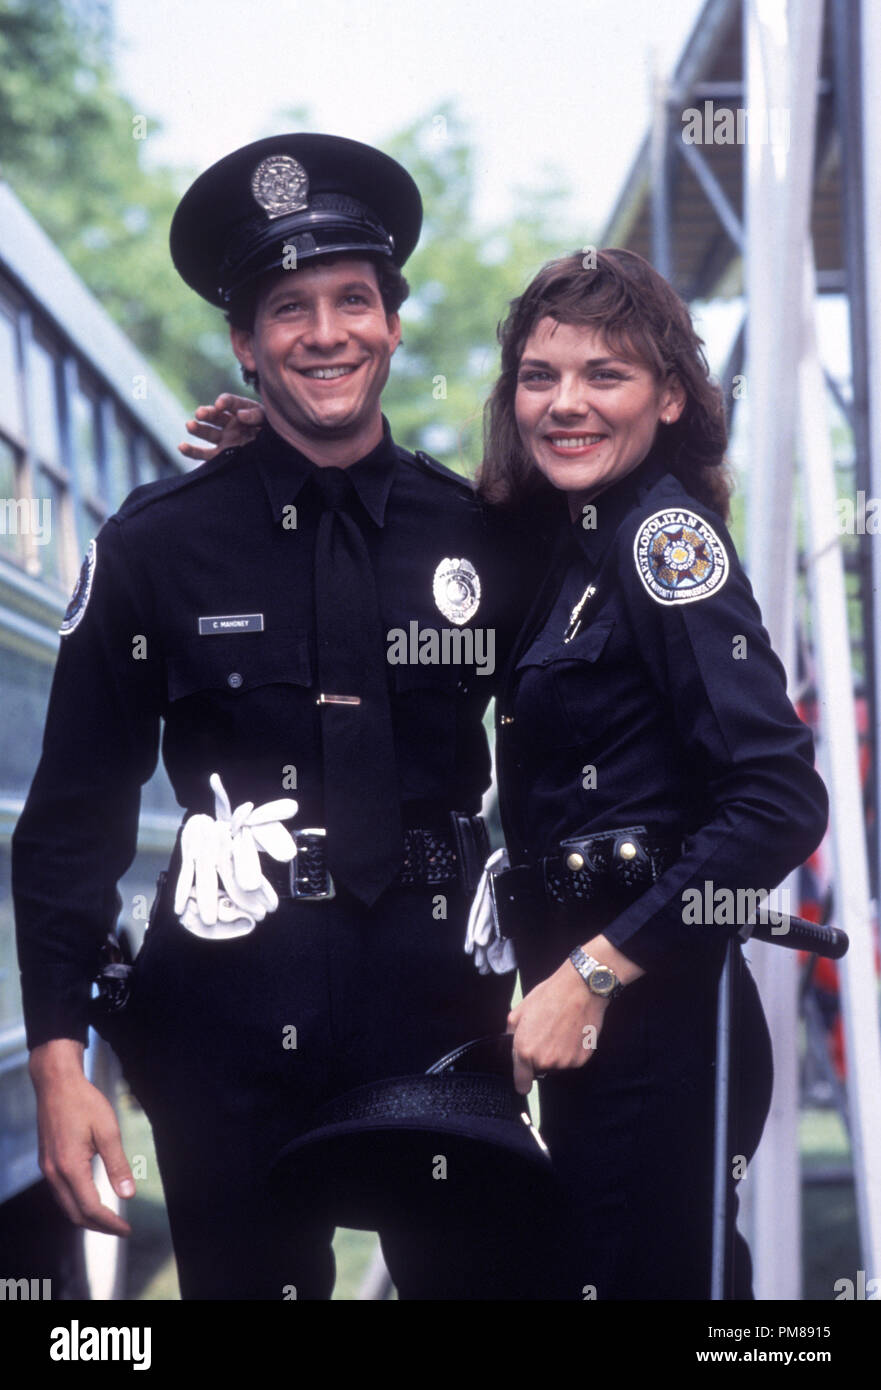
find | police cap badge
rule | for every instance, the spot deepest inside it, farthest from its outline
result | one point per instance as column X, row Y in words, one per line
column 280, row 184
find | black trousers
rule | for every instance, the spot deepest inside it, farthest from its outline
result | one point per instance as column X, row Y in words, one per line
column 230, row 1046
column 631, row 1135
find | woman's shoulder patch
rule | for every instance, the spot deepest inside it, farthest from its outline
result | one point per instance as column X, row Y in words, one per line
column 679, row 557
column 75, row 610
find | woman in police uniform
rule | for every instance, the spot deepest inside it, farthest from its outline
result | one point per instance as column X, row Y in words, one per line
column 650, row 766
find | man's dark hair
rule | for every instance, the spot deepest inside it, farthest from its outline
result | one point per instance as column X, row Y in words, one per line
column 242, row 311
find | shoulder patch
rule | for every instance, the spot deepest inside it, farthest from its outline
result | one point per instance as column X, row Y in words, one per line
column 679, row 556
column 73, row 614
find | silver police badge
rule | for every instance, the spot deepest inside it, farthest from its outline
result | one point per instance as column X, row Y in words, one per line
column 456, row 590
column 280, row 185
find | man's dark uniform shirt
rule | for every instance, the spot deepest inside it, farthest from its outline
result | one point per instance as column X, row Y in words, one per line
column 234, row 538
column 370, row 992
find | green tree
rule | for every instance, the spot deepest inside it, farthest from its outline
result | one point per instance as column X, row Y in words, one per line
column 71, row 146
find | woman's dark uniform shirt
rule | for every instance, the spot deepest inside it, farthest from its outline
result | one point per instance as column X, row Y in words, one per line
column 235, row 538
column 668, row 709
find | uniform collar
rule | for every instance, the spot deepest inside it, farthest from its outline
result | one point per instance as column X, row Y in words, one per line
column 612, row 506
column 285, row 470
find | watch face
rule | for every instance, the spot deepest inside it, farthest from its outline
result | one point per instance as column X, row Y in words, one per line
column 602, row 980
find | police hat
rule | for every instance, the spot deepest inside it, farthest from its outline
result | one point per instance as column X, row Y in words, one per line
column 372, row 1155
column 317, row 194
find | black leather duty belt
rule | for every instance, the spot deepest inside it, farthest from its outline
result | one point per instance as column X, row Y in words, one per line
column 609, row 864
column 430, row 856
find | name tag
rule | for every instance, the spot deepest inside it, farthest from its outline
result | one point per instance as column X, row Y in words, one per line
column 231, row 622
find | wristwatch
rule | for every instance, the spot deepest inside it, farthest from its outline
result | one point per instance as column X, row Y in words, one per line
column 600, row 979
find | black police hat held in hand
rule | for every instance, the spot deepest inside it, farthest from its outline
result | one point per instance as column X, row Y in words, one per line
column 287, row 199
column 457, row 1138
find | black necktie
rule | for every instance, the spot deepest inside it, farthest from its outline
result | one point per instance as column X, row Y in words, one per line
column 361, row 797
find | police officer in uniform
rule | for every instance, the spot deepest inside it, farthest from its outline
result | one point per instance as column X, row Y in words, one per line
column 283, row 610
column 649, row 763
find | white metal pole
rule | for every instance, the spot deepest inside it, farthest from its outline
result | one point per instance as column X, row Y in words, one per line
column 859, row 995
column 870, row 86
column 782, row 47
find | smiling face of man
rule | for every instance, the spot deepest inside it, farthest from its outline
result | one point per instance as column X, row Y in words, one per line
column 322, row 345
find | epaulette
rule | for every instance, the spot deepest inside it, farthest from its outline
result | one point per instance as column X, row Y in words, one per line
column 147, row 493
column 437, row 469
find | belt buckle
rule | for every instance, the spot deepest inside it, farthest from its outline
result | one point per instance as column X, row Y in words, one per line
column 303, row 873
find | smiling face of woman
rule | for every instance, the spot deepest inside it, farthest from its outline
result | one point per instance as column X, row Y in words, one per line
column 586, row 415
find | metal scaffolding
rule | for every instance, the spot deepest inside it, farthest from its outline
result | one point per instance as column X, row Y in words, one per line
column 751, row 182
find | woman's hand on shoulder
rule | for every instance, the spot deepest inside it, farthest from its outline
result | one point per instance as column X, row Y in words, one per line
column 555, row 1027
column 230, row 421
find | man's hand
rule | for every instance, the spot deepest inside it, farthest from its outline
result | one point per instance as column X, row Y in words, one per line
column 551, row 1024
column 75, row 1121
column 230, row 421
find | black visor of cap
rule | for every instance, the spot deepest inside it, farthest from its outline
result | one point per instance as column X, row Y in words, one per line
column 330, row 224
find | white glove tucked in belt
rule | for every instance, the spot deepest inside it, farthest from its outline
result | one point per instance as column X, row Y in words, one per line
column 221, row 891
column 492, row 953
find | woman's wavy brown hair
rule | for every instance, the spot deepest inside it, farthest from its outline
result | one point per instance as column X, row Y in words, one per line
column 642, row 318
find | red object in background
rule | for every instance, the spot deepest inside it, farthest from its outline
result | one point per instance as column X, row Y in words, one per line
column 824, row 978
column 816, row 889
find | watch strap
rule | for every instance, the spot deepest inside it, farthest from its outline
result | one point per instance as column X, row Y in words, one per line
column 586, row 965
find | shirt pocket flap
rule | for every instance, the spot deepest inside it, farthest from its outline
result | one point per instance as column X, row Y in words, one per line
column 590, row 644
column 238, row 663
column 587, row 646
